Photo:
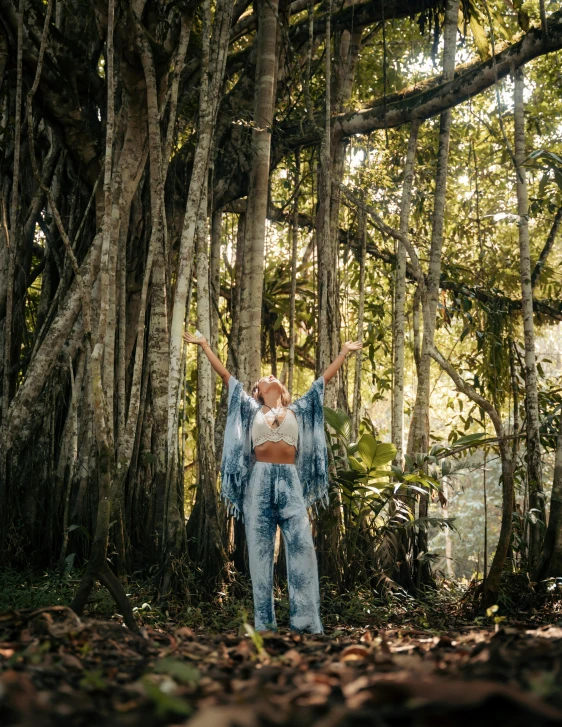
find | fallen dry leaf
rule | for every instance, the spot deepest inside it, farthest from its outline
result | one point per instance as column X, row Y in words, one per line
column 352, row 653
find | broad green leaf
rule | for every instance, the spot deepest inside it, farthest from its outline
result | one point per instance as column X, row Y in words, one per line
column 480, row 38
column 373, row 453
column 357, row 465
column 416, row 488
column 339, row 421
column 469, row 439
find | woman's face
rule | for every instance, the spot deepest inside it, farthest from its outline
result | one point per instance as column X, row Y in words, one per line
column 269, row 384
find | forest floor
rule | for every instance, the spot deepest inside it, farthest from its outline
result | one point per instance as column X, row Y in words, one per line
column 426, row 664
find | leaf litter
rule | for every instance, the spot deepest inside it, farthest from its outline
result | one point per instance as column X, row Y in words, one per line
column 58, row 669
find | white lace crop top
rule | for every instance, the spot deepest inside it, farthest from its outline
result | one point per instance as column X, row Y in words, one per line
column 287, row 431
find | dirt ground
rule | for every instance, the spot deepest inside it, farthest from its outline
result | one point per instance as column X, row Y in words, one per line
column 56, row 669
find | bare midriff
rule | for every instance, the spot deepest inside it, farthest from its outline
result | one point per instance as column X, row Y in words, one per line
column 275, row 453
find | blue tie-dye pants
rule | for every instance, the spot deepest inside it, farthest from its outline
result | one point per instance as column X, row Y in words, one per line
column 274, row 497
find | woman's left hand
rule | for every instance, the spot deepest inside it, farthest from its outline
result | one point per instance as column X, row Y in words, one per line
column 349, row 346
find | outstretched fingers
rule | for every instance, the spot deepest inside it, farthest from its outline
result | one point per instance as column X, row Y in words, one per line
column 190, row 338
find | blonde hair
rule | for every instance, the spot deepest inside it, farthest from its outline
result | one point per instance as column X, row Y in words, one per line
column 285, row 396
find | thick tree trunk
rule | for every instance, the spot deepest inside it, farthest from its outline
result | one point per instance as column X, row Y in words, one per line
column 97, row 567
column 332, row 167
column 249, row 354
column 534, row 464
column 206, row 536
column 9, row 255
column 347, row 47
column 158, row 339
column 208, row 106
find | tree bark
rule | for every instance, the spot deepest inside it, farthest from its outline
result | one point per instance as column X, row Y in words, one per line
column 214, row 277
column 403, row 574
column 208, row 106
column 400, row 298
column 97, row 567
column 356, row 409
column 294, row 232
column 418, row 438
column 332, row 167
column 249, row 354
column 435, row 95
column 11, row 243
column 534, row 464
column 205, row 535
column 448, row 539
column 549, row 564
column 327, row 257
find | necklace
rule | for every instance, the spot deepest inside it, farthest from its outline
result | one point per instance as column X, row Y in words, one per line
column 276, row 411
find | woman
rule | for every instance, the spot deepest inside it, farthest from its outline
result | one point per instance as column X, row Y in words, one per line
column 274, row 466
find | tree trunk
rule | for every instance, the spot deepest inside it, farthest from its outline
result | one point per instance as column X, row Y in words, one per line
column 534, row 464
column 211, row 83
column 249, row 354
column 549, row 564
column 418, row 439
column 9, row 254
column 485, row 499
column 448, row 539
column 403, row 574
column 205, row 535
column 356, row 416
column 233, row 342
column 327, row 260
column 294, row 232
column 332, row 167
column 214, row 277
column 97, row 567
column 397, row 434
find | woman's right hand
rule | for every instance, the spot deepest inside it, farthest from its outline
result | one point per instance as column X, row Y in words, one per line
column 190, row 338
column 213, row 359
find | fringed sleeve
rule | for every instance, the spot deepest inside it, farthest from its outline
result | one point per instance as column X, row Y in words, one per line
column 237, row 457
column 312, row 453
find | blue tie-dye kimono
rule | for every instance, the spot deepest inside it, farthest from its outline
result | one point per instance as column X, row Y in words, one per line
column 238, row 455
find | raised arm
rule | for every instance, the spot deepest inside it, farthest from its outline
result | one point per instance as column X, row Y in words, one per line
column 214, row 360
column 333, row 368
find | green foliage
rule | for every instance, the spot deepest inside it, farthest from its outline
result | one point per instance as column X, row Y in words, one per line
column 181, row 671
column 165, row 702
column 551, row 165
column 375, row 500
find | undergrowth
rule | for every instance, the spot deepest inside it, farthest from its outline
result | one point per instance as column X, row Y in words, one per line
column 444, row 608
